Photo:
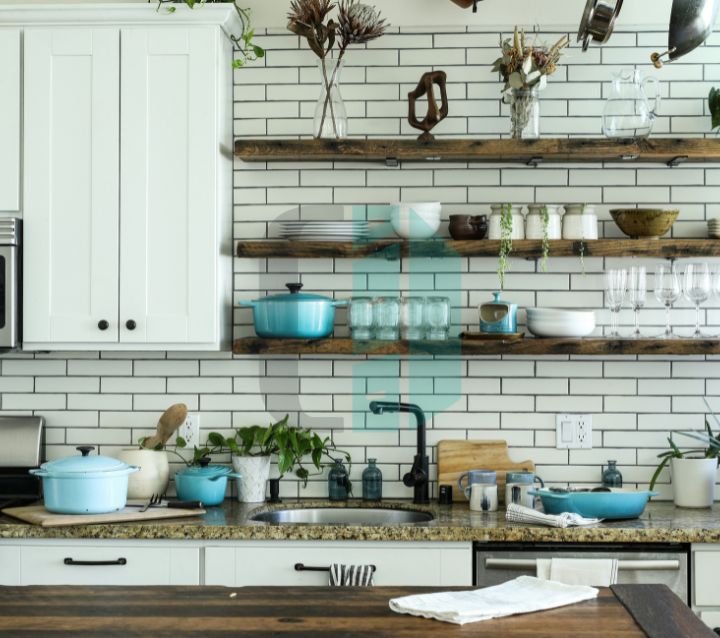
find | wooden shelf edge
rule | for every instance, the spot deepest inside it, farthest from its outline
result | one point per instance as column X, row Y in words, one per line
column 670, row 151
column 525, row 249
column 455, row 347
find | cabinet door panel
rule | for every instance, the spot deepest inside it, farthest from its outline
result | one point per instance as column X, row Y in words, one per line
column 10, row 120
column 169, row 240
column 71, row 184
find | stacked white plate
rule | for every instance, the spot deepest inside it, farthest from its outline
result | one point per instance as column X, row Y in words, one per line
column 556, row 322
column 714, row 228
column 324, row 231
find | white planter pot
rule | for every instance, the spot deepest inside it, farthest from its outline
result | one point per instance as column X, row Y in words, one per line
column 254, row 472
column 154, row 472
column 693, row 481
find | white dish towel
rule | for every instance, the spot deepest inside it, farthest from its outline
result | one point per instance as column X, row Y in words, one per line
column 519, row 596
column 521, row 514
column 597, row 572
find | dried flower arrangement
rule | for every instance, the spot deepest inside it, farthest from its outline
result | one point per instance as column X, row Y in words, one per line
column 357, row 23
column 524, row 68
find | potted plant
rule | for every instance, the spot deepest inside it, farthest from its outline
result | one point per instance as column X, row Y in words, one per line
column 295, row 448
column 693, row 471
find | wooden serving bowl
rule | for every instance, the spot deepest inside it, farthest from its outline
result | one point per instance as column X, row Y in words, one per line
column 644, row 223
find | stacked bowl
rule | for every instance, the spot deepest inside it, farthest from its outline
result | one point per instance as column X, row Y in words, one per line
column 559, row 323
column 714, row 228
column 415, row 220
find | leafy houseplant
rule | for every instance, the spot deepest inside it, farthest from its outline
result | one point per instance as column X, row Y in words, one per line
column 246, row 49
column 545, row 240
column 714, row 105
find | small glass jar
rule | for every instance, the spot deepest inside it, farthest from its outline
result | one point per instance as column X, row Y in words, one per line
column 386, row 318
column 360, row 318
column 372, row 482
column 534, row 226
column 611, row 476
column 338, row 482
column 495, row 224
column 437, row 318
column 412, row 317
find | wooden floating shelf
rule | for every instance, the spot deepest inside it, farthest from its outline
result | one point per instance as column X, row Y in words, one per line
column 527, row 346
column 670, row 151
column 527, row 249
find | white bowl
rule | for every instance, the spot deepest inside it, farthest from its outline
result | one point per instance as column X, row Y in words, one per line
column 415, row 220
column 561, row 327
column 561, row 313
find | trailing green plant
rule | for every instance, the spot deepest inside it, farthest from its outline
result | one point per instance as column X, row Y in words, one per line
column 545, row 240
column 215, row 445
column 506, row 227
column 714, row 105
column 243, row 43
column 710, row 451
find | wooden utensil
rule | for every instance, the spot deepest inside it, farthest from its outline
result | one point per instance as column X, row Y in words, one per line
column 38, row 515
column 466, row 4
column 457, row 457
column 169, row 422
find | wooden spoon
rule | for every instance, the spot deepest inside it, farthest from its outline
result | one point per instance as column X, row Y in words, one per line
column 168, row 423
column 466, row 4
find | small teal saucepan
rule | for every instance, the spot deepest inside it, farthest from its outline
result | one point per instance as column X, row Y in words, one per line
column 616, row 504
column 206, row 483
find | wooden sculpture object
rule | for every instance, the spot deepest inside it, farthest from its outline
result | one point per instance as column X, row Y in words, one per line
column 435, row 114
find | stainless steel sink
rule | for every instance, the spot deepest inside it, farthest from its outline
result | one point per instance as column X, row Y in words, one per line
column 343, row 516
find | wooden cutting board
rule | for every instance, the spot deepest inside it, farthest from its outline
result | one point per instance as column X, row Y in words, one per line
column 457, row 457
column 38, row 515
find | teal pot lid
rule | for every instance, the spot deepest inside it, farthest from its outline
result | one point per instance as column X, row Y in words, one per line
column 294, row 296
column 205, row 471
column 84, row 464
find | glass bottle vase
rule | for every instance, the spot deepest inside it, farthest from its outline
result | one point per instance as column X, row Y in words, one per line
column 330, row 121
column 524, row 113
column 338, row 482
column 372, row 482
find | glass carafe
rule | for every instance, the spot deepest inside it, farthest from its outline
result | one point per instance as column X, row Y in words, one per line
column 627, row 112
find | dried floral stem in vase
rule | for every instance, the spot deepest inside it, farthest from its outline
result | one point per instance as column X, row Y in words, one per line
column 357, row 23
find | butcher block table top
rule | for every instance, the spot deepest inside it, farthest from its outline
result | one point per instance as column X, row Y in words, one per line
column 312, row 612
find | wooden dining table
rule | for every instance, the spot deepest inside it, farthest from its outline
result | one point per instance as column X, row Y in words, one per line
column 625, row 611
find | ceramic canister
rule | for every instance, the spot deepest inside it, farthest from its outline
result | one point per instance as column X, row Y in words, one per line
column 579, row 222
column 498, row 316
column 495, row 227
column 534, row 222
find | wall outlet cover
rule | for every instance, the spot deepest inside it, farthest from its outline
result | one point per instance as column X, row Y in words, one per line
column 190, row 430
column 574, row 431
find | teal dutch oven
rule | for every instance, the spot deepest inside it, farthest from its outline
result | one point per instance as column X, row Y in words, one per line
column 206, row 483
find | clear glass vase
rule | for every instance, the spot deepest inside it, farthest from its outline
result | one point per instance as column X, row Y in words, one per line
column 330, row 121
column 524, row 113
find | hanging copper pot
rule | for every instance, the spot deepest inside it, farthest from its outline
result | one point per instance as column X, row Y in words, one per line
column 466, row 4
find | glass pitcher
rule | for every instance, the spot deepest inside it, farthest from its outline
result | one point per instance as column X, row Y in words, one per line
column 627, row 112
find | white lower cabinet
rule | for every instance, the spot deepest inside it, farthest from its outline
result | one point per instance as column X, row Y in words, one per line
column 397, row 563
column 706, row 595
column 90, row 562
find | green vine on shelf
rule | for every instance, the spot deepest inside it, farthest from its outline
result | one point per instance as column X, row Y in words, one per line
column 545, row 240
column 506, row 227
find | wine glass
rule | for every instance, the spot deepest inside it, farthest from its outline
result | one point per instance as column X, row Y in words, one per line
column 637, row 290
column 696, row 288
column 615, row 287
column 667, row 292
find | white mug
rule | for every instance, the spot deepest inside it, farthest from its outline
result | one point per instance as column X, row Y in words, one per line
column 483, row 497
column 518, row 493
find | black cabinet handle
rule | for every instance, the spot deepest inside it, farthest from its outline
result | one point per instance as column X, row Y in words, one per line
column 103, row 324
column 130, row 324
column 300, row 567
column 72, row 561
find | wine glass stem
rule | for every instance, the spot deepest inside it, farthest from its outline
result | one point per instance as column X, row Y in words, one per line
column 637, row 322
column 613, row 323
column 667, row 320
column 697, row 319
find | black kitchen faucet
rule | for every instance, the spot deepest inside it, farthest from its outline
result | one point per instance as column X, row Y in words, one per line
column 418, row 476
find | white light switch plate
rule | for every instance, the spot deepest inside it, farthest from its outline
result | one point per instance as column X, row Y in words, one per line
column 574, row 431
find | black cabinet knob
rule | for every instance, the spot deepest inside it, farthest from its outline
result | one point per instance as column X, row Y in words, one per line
column 130, row 324
column 103, row 324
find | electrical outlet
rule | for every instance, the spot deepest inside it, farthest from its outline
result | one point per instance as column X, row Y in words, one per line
column 574, row 431
column 190, row 430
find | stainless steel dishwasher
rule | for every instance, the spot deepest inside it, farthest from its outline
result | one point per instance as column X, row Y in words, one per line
column 665, row 564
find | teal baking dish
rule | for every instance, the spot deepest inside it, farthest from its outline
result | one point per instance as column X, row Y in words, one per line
column 616, row 504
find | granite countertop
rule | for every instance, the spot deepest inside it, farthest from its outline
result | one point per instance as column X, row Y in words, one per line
column 660, row 523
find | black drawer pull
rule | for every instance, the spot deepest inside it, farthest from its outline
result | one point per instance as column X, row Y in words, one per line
column 299, row 567
column 72, row 561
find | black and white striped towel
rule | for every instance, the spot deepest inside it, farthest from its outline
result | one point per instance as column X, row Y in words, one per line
column 521, row 514
column 351, row 575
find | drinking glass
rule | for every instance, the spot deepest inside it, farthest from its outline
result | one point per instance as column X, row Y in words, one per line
column 667, row 292
column 437, row 318
column 360, row 318
column 696, row 288
column 412, row 320
column 636, row 292
column 615, row 285
column 386, row 318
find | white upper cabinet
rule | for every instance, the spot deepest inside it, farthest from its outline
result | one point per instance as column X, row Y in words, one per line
column 128, row 182
column 10, row 120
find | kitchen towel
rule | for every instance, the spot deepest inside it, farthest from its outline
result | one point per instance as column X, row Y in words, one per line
column 597, row 572
column 520, row 596
column 351, row 575
column 521, row 514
